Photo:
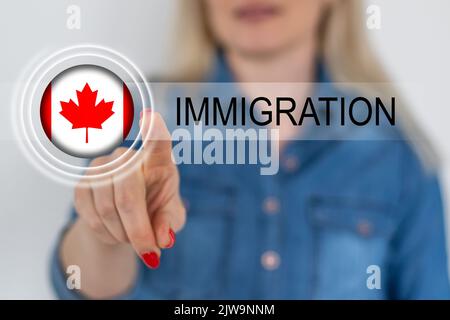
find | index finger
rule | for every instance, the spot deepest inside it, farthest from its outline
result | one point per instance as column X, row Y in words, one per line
column 156, row 139
column 129, row 195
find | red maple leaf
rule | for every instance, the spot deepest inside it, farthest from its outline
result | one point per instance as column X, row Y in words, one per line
column 86, row 114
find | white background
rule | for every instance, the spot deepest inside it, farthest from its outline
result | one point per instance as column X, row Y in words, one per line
column 413, row 43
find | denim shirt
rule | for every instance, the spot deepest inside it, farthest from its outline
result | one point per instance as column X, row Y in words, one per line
column 339, row 216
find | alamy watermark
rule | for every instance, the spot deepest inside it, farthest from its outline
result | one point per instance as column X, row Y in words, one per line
column 73, row 21
column 73, row 280
column 227, row 146
column 374, row 278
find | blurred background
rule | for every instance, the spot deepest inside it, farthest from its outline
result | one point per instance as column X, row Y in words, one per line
column 413, row 43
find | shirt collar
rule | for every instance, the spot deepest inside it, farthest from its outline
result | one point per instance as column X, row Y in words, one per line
column 220, row 71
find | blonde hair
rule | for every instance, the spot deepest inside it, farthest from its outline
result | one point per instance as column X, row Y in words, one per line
column 343, row 47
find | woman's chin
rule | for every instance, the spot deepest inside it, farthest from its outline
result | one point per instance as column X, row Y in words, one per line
column 258, row 49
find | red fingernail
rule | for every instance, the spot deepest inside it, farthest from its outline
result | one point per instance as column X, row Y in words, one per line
column 172, row 239
column 150, row 259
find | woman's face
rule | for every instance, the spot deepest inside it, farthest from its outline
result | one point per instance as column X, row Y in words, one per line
column 261, row 27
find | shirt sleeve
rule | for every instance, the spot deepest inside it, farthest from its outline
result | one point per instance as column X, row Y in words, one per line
column 419, row 265
column 59, row 279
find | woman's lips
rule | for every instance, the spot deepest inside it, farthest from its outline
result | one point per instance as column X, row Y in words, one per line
column 256, row 13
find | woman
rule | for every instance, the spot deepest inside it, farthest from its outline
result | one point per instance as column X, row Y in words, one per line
column 342, row 219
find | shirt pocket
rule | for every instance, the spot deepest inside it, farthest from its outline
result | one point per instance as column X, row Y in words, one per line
column 195, row 268
column 349, row 235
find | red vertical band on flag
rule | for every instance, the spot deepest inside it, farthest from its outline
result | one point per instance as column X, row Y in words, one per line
column 128, row 111
column 46, row 111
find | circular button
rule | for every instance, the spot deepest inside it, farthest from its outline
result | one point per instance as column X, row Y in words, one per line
column 86, row 111
column 291, row 163
column 271, row 205
column 270, row 260
column 364, row 228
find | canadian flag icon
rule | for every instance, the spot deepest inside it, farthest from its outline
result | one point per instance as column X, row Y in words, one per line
column 86, row 111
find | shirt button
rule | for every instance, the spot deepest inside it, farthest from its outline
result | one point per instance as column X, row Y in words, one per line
column 270, row 260
column 291, row 163
column 271, row 205
column 364, row 228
